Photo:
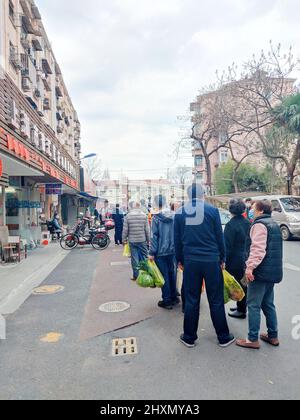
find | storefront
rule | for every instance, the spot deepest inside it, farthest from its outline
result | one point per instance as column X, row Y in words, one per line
column 26, row 201
column 3, row 185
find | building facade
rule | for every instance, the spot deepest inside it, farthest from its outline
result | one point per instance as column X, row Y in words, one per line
column 143, row 191
column 39, row 126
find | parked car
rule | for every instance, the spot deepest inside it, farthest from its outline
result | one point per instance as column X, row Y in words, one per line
column 286, row 212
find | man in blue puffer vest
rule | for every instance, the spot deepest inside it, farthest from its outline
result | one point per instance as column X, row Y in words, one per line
column 162, row 251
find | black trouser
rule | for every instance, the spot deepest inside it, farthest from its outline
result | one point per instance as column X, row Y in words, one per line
column 238, row 275
column 194, row 273
column 118, row 235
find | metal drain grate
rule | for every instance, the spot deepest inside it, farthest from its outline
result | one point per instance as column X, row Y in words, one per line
column 114, row 307
column 124, row 347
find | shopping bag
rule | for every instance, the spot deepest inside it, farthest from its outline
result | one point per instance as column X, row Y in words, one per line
column 232, row 289
column 156, row 274
column 180, row 281
column 145, row 280
column 127, row 252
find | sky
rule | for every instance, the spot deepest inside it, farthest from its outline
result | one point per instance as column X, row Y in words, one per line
column 132, row 67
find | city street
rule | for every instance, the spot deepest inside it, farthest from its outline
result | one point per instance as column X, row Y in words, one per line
column 59, row 346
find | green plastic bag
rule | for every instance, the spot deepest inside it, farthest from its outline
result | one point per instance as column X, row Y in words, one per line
column 145, row 280
column 127, row 252
column 232, row 289
column 151, row 268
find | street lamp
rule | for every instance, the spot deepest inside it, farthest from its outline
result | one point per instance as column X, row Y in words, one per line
column 91, row 155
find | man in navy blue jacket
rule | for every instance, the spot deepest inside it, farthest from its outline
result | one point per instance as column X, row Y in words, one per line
column 162, row 251
column 200, row 251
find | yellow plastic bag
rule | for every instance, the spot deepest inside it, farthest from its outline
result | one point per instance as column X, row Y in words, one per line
column 232, row 289
column 156, row 274
column 127, row 252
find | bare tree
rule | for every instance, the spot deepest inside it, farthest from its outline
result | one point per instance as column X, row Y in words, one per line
column 253, row 97
column 93, row 166
column 213, row 129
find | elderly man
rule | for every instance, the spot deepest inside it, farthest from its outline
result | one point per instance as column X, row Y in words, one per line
column 200, row 251
column 136, row 230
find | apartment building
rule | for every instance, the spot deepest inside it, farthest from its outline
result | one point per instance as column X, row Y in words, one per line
column 39, row 126
column 124, row 191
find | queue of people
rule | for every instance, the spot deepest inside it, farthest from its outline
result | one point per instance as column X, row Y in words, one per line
column 192, row 240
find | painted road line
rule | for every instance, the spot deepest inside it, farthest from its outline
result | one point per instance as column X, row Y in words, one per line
column 119, row 263
column 2, row 328
column 292, row 267
column 51, row 338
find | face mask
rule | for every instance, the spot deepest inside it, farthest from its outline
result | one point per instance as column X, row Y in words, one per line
column 251, row 214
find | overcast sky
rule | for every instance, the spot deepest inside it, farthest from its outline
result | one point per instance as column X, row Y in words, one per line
column 133, row 66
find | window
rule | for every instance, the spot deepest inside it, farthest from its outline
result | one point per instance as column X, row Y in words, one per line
column 13, row 56
column 276, row 206
column 291, row 204
column 198, row 160
column 224, row 157
column 199, row 177
column 223, row 138
column 11, row 11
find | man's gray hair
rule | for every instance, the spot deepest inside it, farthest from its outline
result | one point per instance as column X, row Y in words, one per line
column 196, row 191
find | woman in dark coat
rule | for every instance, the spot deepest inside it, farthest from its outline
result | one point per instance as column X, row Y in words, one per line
column 118, row 218
column 236, row 233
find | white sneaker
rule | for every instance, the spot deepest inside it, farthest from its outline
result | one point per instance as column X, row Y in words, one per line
column 231, row 341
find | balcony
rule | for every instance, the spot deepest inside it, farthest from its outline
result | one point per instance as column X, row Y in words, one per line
column 35, row 12
column 60, row 128
column 46, row 83
column 46, row 104
column 46, row 66
column 59, row 93
column 27, row 25
column 14, row 58
column 37, row 93
column 59, row 117
column 37, row 45
column 25, row 42
column 26, row 10
column 26, row 87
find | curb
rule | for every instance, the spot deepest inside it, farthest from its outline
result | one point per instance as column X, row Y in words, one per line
column 20, row 294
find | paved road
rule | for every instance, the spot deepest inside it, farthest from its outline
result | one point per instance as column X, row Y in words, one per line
column 77, row 367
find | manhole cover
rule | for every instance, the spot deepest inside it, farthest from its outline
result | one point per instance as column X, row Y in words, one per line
column 48, row 290
column 124, row 347
column 113, row 307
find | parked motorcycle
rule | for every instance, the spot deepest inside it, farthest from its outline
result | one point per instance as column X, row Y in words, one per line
column 97, row 237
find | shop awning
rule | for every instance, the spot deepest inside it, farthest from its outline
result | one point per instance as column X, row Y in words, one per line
column 87, row 196
column 14, row 167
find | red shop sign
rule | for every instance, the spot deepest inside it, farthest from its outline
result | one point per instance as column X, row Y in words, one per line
column 17, row 148
column 1, row 168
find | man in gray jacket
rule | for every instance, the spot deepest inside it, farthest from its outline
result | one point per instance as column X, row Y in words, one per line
column 162, row 250
column 136, row 230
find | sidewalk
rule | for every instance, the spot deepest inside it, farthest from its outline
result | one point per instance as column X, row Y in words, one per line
column 18, row 280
